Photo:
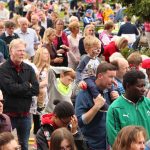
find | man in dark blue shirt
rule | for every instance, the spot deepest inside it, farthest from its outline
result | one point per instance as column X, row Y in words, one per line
column 91, row 120
column 128, row 28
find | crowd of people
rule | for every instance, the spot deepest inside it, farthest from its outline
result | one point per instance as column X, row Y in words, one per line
column 72, row 83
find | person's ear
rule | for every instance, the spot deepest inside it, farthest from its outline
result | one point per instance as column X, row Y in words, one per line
column 100, row 75
column 128, row 85
column 55, row 116
column 62, row 75
column 140, row 65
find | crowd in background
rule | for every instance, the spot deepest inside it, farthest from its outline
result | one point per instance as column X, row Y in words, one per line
column 63, row 65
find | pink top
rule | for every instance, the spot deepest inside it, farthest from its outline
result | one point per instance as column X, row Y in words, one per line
column 147, row 26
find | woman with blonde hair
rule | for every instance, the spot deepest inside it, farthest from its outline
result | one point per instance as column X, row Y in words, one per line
column 130, row 138
column 42, row 62
column 115, row 46
column 88, row 30
column 49, row 36
column 73, row 39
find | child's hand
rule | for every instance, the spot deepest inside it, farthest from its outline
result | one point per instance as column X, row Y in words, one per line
column 83, row 85
column 114, row 95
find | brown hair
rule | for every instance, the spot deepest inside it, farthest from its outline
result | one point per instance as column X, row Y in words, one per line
column 127, row 136
column 5, row 138
column 58, row 136
column 70, row 73
column 108, row 25
column 134, row 58
column 9, row 24
column 58, row 20
column 104, row 67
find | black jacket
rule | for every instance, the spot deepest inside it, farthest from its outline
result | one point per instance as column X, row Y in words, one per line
column 44, row 134
column 18, row 88
column 8, row 39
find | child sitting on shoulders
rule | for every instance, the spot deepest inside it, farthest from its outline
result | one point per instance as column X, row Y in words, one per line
column 87, row 68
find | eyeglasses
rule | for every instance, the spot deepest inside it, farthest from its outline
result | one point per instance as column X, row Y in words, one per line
column 68, row 147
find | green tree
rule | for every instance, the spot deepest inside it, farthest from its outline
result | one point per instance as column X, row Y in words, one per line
column 140, row 8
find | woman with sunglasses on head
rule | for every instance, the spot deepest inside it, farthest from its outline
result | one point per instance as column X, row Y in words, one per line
column 62, row 116
column 88, row 30
column 5, row 124
column 62, row 139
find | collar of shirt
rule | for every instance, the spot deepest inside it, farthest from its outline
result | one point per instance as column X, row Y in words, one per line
column 17, row 67
column 6, row 34
column 24, row 32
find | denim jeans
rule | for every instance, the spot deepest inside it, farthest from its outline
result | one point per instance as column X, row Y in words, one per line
column 23, row 126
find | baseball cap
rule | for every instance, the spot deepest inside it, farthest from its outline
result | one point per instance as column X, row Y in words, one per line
column 89, row 11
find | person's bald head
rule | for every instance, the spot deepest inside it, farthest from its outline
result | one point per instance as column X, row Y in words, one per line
column 121, row 65
column 34, row 19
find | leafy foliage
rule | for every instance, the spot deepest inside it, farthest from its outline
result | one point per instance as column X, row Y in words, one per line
column 140, row 8
column 143, row 51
